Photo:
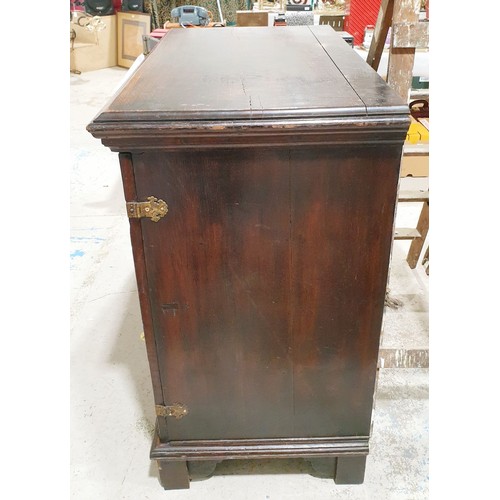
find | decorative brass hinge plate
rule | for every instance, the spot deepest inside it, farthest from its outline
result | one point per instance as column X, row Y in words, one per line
column 177, row 410
column 153, row 209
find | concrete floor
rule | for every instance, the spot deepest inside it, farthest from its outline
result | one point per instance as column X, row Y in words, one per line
column 112, row 413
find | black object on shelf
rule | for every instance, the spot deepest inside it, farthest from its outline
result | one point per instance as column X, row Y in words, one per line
column 99, row 7
column 132, row 6
column 348, row 38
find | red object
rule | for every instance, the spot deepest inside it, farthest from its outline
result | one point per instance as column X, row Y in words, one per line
column 158, row 33
column 77, row 5
column 358, row 15
column 80, row 5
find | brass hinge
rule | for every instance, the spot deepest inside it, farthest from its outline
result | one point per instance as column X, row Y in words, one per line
column 154, row 209
column 177, row 410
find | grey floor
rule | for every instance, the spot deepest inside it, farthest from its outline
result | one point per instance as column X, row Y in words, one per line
column 112, row 413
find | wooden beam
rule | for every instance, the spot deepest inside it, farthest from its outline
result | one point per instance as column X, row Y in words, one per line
column 418, row 243
column 413, row 196
column 410, row 35
column 400, row 66
column 382, row 25
column 406, row 233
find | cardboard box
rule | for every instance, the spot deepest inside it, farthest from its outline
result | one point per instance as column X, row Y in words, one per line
column 417, row 133
column 94, row 50
column 415, row 165
column 252, row 18
column 415, row 161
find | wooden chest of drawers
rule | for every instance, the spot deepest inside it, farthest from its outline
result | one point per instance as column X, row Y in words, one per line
column 260, row 169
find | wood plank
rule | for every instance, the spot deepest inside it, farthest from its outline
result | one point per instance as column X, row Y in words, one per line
column 404, row 358
column 326, row 318
column 410, row 35
column 418, row 243
column 406, row 233
column 420, row 148
column 367, row 83
column 384, row 21
column 336, row 22
column 400, row 66
column 400, row 71
column 419, row 94
column 410, row 196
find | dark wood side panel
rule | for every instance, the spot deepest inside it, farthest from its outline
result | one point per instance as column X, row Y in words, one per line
column 218, row 268
column 129, row 188
column 342, row 218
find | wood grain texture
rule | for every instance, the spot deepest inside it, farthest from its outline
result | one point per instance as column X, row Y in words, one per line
column 202, row 135
column 340, row 241
column 384, row 21
column 401, row 60
column 129, row 188
column 260, row 77
column 295, row 87
column 253, row 318
column 269, row 74
column 378, row 98
column 260, row 448
column 219, row 285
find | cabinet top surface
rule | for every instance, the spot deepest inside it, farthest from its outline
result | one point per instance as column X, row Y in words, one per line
column 251, row 74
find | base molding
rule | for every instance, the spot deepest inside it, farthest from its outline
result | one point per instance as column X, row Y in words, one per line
column 259, row 448
column 341, row 458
